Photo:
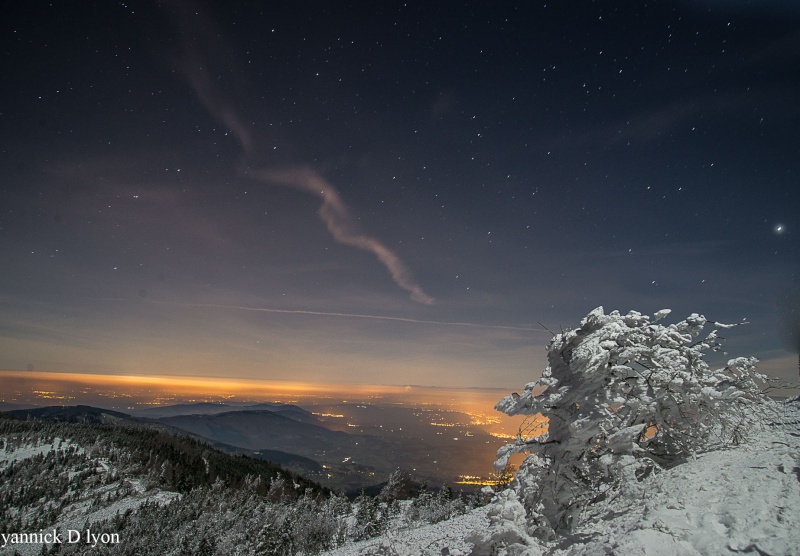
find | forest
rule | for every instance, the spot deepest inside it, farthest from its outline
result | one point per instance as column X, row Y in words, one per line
column 168, row 494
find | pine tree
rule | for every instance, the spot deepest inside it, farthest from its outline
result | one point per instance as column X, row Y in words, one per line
column 367, row 524
column 622, row 395
column 399, row 487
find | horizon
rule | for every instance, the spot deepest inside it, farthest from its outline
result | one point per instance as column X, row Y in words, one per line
column 267, row 191
column 190, row 378
column 130, row 394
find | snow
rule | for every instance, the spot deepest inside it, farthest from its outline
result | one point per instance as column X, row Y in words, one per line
column 75, row 515
column 741, row 500
column 13, row 453
column 727, row 502
column 447, row 537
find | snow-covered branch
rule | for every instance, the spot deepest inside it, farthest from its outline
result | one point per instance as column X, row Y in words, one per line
column 623, row 395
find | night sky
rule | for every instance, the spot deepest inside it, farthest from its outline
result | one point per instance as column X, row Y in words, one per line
column 389, row 192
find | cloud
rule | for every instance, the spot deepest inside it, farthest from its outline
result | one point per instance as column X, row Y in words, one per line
column 199, row 43
column 341, row 224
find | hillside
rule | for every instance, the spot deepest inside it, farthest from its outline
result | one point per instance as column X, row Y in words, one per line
column 71, row 470
column 81, row 480
column 745, row 500
column 165, row 494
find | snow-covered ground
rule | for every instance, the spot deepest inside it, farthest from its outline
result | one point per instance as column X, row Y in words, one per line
column 10, row 454
column 77, row 514
column 448, row 537
column 745, row 500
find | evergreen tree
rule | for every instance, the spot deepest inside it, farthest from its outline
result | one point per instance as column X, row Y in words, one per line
column 622, row 395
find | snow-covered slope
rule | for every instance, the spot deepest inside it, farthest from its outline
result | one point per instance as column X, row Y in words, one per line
column 744, row 500
column 98, row 490
column 447, row 537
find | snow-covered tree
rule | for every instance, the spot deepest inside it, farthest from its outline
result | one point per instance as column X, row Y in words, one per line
column 621, row 396
column 400, row 486
column 368, row 522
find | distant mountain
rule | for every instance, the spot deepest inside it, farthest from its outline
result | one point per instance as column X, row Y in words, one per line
column 286, row 410
column 264, row 429
column 5, row 406
column 213, row 408
column 350, row 461
column 199, row 408
column 306, row 467
column 72, row 414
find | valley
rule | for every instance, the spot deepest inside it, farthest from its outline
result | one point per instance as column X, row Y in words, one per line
column 344, row 437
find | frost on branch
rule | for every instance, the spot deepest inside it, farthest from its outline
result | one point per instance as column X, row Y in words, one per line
column 623, row 395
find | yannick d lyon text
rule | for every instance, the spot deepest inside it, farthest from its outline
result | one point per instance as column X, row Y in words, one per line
column 70, row 536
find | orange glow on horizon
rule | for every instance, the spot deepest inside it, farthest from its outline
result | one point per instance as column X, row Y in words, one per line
column 129, row 392
column 210, row 386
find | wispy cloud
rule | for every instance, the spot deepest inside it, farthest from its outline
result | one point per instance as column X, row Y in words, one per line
column 341, row 224
column 199, row 39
